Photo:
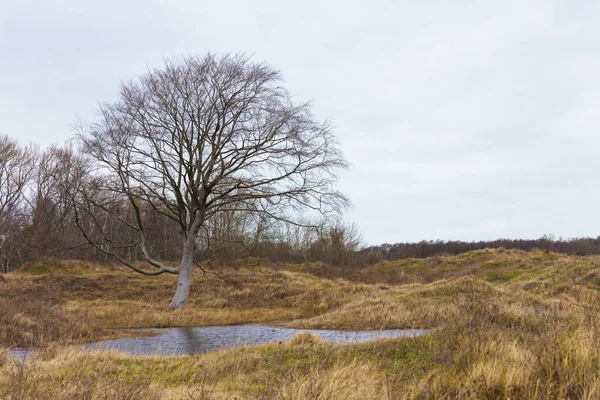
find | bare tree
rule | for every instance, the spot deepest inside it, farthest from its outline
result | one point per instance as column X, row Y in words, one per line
column 51, row 231
column 203, row 136
column 17, row 165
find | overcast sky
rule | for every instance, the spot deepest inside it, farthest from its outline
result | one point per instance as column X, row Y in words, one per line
column 467, row 120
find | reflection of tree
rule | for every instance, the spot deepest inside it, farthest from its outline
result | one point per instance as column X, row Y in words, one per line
column 192, row 341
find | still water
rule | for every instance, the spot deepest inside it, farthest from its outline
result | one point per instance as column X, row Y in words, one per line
column 177, row 341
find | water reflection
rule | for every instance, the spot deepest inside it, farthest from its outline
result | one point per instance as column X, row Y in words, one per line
column 190, row 338
column 21, row 354
column 173, row 341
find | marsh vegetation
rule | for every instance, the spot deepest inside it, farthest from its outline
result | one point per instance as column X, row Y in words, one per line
column 503, row 324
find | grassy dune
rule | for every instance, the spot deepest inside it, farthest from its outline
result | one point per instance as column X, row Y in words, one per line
column 505, row 324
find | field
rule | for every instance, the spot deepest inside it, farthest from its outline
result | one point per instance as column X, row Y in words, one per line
column 504, row 324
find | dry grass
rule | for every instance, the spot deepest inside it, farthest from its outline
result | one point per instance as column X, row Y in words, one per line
column 304, row 367
column 61, row 306
column 507, row 324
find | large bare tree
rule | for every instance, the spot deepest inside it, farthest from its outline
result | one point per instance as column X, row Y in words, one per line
column 202, row 136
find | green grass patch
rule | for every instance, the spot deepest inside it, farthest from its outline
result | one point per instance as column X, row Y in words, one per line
column 501, row 277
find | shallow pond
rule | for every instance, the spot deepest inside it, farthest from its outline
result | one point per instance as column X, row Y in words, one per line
column 177, row 341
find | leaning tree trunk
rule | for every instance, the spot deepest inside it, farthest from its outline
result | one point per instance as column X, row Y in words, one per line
column 184, row 281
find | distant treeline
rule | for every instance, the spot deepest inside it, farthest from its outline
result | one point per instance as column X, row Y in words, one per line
column 43, row 217
column 424, row 248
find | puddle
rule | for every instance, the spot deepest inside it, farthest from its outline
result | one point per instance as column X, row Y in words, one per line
column 172, row 341
column 21, row 354
column 189, row 340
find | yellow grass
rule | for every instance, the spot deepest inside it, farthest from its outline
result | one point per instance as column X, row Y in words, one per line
column 505, row 324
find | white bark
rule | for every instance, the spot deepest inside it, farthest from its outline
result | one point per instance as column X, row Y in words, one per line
column 184, row 282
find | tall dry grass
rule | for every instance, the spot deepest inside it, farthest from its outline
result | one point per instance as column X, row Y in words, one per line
column 505, row 324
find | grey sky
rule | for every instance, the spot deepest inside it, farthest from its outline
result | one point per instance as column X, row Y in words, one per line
column 462, row 120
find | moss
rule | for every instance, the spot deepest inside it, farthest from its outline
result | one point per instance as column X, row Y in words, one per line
column 54, row 267
column 595, row 283
column 36, row 268
column 500, row 264
column 501, row 277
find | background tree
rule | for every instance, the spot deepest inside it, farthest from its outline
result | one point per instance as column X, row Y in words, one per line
column 17, row 166
column 39, row 223
column 51, row 230
column 201, row 137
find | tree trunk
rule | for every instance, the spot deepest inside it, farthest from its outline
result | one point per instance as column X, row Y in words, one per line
column 184, row 281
